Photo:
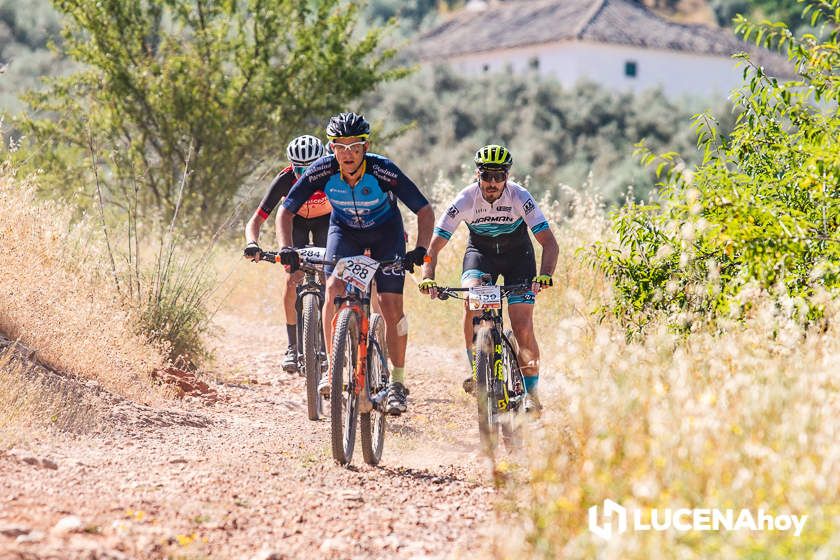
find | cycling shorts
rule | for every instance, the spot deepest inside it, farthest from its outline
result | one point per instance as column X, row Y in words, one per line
column 516, row 263
column 385, row 242
column 310, row 231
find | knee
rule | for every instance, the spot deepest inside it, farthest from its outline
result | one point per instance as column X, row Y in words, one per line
column 334, row 285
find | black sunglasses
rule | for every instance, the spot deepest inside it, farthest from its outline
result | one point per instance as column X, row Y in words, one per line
column 493, row 176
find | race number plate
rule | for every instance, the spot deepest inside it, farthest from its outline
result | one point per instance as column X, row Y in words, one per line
column 317, row 253
column 357, row 271
column 485, row 297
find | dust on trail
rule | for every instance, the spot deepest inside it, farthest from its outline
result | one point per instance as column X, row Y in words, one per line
column 251, row 477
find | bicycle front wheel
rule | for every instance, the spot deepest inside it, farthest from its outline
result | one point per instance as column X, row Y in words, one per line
column 484, row 364
column 344, row 404
column 510, row 421
column 373, row 422
column 311, row 354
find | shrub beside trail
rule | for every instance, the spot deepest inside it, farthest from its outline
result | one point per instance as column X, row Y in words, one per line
column 56, row 300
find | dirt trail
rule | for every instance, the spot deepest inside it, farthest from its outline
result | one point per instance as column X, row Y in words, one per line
column 251, row 477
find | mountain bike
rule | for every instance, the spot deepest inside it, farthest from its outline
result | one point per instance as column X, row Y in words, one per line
column 311, row 350
column 500, row 385
column 359, row 361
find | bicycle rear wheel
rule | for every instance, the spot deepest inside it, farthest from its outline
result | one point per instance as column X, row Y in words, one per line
column 311, row 354
column 484, row 362
column 373, row 423
column 344, row 404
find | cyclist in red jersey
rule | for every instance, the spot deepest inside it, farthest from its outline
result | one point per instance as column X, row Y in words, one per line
column 310, row 226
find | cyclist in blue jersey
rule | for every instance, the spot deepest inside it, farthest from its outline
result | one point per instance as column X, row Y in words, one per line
column 498, row 214
column 363, row 189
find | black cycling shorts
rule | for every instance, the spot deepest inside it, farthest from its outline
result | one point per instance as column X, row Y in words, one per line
column 385, row 242
column 516, row 263
column 310, row 231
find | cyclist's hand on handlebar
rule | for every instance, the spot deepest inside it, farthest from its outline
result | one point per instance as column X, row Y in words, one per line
column 540, row 282
column 252, row 251
column 428, row 286
column 413, row 258
column 290, row 258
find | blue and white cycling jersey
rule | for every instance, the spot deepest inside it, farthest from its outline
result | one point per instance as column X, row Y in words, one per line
column 371, row 203
column 501, row 218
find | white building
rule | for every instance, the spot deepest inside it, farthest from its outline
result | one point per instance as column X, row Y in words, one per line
column 617, row 43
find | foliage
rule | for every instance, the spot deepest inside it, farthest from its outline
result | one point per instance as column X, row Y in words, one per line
column 786, row 11
column 557, row 135
column 759, row 214
column 217, row 83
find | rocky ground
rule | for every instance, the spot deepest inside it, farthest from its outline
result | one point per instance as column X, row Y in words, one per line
column 244, row 474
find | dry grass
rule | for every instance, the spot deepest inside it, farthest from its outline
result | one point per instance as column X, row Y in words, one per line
column 34, row 402
column 55, row 300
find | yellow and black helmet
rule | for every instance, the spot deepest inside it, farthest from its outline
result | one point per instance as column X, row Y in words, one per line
column 493, row 156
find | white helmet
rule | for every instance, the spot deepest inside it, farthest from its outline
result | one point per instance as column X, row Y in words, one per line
column 304, row 150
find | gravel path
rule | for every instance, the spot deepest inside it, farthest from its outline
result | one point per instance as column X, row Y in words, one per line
column 250, row 477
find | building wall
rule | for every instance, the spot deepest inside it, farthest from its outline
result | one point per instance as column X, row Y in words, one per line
column 570, row 61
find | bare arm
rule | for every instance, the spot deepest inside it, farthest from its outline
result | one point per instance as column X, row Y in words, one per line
column 550, row 251
column 425, row 225
column 252, row 228
column 284, row 226
column 437, row 244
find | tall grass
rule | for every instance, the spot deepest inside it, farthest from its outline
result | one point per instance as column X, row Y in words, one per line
column 55, row 300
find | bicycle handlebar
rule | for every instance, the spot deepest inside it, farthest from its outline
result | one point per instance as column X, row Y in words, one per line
column 508, row 290
column 274, row 257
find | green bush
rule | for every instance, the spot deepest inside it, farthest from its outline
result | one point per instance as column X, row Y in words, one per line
column 759, row 214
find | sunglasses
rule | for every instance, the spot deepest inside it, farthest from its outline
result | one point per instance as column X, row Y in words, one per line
column 300, row 169
column 355, row 147
column 493, row 176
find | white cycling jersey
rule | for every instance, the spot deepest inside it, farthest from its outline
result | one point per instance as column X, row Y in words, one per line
column 503, row 217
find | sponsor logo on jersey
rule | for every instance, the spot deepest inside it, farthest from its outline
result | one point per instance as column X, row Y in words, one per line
column 528, row 207
column 319, row 174
column 504, row 208
column 492, row 219
column 383, row 174
column 452, row 212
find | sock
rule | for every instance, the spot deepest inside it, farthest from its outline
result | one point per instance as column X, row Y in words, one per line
column 531, row 382
column 291, row 332
column 398, row 375
column 470, row 357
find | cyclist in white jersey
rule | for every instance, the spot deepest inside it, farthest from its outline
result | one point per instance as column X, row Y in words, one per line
column 498, row 214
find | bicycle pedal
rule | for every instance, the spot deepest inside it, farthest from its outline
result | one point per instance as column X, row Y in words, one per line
column 380, row 400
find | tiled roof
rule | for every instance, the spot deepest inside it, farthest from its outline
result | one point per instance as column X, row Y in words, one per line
column 520, row 23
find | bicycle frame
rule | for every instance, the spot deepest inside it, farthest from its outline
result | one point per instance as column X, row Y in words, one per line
column 494, row 320
column 360, row 305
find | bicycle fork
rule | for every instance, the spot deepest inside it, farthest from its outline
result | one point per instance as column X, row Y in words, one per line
column 496, row 385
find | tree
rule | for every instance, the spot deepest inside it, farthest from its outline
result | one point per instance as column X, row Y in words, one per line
column 760, row 214
column 774, row 10
column 212, row 86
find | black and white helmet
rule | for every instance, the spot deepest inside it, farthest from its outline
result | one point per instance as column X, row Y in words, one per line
column 304, row 150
